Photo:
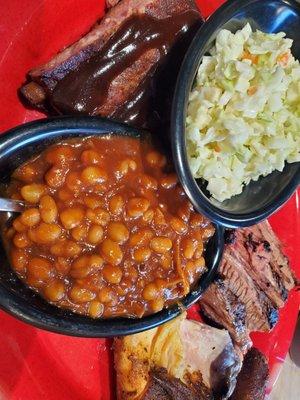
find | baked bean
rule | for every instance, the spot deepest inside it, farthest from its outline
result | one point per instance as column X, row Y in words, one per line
column 208, row 232
column 95, row 234
column 100, row 233
column 48, row 209
column 111, row 251
column 137, row 207
column 19, row 226
column 62, row 265
column 125, row 166
column 33, row 192
column 60, row 155
column 159, row 218
column 148, row 216
column 96, row 309
column 189, row 248
column 45, row 233
column 26, row 173
column 157, row 305
column 142, row 254
column 81, row 295
column 178, row 225
column 65, row 248
column 116, row 205
column 19, row 259
column 150, row 292
column 54, row 291
column 72, row 217
column 148, row 182
column 196, row 220
column 93, row 175
column 90, row 157
column 156, row 159
column 98, row 216
column 161, row 244
column 55, row 177
column 30, row 217
column 166, row 261
column 141, row 237
column 21, row 240
column 106, row 295
column 93, row 202
column 118, row 232
column 169, row 181
column 199, row 250
column 80, row 232
column 73, row 181
column 39, row 269
column 184, row 211
column 65, row 195
column 86, row 265
column 112, row 274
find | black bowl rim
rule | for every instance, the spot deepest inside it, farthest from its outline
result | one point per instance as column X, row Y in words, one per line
column 182, row 89
column 85, row 326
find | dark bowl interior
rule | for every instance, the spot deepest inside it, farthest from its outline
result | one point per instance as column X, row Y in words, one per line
column 17, row 146
column 261, row 198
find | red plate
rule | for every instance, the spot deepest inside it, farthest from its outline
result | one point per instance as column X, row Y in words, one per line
column 38, row 365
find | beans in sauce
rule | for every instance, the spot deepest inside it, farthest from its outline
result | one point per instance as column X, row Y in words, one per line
column 108, row 231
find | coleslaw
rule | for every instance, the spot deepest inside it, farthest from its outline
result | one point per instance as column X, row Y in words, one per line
column 243, row 117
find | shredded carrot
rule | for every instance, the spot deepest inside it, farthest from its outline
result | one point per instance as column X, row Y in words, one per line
column 217, row 148
column 252, row 90
column 248, row 56
column 186, row 286
column 283, row 59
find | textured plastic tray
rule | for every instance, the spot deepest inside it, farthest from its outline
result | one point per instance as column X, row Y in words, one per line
column 35, row 364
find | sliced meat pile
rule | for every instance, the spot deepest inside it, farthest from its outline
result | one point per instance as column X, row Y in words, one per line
column 179, row 360
column 125, row 68
column 253, row 283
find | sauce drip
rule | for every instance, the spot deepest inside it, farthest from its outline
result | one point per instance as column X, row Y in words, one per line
column 90, row 88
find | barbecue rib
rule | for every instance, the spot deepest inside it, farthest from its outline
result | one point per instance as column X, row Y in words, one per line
column 254, row 281
column 124, row 68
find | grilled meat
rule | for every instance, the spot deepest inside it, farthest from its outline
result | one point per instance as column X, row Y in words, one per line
column 254, row 281
column 124, row 68
column 252, row 380
column 184, row 357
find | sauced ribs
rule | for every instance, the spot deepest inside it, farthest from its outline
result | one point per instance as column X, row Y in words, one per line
column 124, row 68
column 253, row 283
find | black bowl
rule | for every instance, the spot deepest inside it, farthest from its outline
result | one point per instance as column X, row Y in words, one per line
column 261, row 198
column 17, row 146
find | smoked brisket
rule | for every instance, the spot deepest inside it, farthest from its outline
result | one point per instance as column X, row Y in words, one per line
column 253, row 283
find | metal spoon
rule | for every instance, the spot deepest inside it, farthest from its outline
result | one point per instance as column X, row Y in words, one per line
column 12, row 205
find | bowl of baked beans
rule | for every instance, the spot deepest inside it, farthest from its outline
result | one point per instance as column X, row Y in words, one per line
column 108, row 243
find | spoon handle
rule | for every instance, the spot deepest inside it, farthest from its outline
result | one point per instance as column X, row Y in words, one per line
column 12, row 205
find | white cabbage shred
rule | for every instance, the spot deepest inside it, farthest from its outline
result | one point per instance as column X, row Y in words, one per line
column 243, row 117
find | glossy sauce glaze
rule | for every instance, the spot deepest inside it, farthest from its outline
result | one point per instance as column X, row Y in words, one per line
column 109, row 231
column 99, row 85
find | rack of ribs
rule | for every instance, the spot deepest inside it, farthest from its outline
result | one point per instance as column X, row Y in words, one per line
column 125, row 68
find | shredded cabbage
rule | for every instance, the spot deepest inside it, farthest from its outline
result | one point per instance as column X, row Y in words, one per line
column 243, row 118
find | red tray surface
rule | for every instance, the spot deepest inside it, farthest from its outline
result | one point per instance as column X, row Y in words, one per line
column 35, row 364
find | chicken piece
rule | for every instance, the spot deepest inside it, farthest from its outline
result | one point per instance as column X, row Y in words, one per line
column 197, row 359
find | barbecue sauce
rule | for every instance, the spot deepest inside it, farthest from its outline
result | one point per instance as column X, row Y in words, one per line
column 93, row 88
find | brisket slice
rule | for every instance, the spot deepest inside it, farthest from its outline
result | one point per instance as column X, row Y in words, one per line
column 252, row 380
column 162, row 386
column 134, row 90
column 254, row 281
